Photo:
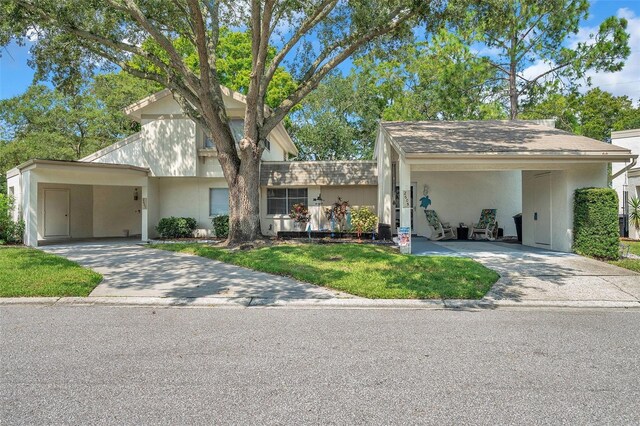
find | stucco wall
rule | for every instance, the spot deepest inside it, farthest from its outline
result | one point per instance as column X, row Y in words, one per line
column 132, row 153
column 633, row 143
column 80, row 209
column 114, row 210
column 187, row 197
column 170, row 146
column 461, row 196
column 563, row 185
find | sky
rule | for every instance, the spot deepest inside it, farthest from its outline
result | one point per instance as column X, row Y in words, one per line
column 16, row 75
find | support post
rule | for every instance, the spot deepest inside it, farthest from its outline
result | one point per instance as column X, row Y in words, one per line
column 404, row 182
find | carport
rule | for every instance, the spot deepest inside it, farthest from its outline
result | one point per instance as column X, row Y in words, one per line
column 512, row 166
column 67, row 200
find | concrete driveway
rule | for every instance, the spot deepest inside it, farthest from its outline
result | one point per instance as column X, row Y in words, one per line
column 132, row 270
column 530, row 274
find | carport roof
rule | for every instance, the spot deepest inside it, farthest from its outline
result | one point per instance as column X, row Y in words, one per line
column 36, row 162
column 493, row 137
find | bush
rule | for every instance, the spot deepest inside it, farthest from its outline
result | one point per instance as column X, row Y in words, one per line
column 221, row 226
column 176, row 227
column 363, row 220
column 10, row 232
column 595, row 223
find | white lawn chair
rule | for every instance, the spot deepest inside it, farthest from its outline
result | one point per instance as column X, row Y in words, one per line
column 439, row 230
column 487, row 226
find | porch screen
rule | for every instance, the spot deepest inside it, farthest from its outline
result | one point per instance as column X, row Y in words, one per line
column 218, row 201
column 281, row 200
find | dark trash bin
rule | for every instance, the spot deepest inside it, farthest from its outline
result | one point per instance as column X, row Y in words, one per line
column 518, row 220
column 384, row 231
column 624, row 225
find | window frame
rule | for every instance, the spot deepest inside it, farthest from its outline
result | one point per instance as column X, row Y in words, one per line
column 287, row 199
column 211, row 214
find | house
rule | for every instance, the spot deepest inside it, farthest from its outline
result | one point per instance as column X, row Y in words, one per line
column 170, row 168
column 626, row 177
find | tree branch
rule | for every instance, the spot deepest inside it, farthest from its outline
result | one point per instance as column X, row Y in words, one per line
column 311, row 81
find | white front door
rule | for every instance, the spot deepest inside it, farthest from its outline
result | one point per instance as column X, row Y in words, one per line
column 542, row 209
column 56, row 212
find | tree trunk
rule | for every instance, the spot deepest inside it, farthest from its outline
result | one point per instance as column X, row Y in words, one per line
column 513, row 92
column 244, row 203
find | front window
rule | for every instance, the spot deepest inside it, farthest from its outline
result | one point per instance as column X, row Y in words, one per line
column 218, row 201
column 237, row 130
column 281, row 200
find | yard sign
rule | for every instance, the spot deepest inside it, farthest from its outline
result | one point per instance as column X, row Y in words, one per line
column 404, row 239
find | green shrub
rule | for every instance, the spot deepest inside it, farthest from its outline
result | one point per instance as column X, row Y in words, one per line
column 11, row 232
column 176, row 227
column 363, row 220
column 221, row 226
column 595, row 223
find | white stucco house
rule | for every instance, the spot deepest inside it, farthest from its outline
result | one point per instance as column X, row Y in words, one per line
column 626, row 177
column 170, row 169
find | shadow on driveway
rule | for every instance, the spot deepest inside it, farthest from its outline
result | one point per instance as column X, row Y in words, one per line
column 132, row 270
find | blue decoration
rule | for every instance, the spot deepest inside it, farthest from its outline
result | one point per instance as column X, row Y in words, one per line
column 425, row 202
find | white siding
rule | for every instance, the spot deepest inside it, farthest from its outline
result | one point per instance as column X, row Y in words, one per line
column 632, row 143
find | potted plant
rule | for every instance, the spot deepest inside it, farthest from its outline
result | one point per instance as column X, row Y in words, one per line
column 300, row 214
column 337, row 214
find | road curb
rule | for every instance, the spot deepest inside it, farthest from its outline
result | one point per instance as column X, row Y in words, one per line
column 332, row 303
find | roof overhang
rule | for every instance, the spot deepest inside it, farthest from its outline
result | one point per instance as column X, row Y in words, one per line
column 622, row 134
column 36, row 163
column 603, row 156
column 600, row 152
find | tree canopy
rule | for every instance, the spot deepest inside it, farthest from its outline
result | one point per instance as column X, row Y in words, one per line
column 521, row 33
column 141, row 37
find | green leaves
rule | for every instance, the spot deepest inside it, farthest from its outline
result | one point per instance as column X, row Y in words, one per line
column 521, row 33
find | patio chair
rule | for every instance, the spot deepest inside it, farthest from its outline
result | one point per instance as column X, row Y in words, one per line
column 439, row 230
column 487, row 226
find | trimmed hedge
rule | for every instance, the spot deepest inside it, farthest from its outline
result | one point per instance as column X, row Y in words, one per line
column 595, row 223
column 221, row 226
column 176, row 227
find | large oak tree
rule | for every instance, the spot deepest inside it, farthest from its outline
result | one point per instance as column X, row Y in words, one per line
column 311, row 37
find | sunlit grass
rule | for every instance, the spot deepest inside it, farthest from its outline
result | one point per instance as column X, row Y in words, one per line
column 30, row 272
column 360, row 269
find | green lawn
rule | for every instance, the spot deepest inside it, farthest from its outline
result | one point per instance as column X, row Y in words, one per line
column 634, row 246
column 26, row 272
column 359, row 269
column 632, row 264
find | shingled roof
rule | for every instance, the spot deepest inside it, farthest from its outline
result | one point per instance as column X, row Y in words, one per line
column 417, row 138
column 304, row 173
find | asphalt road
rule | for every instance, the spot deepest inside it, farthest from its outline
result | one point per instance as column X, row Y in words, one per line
column 110, row 365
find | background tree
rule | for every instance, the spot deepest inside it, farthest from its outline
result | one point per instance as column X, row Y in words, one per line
column 314, row 35
column 593, row 114
column 439, row 80
column 521, row 33
column 46, row 123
